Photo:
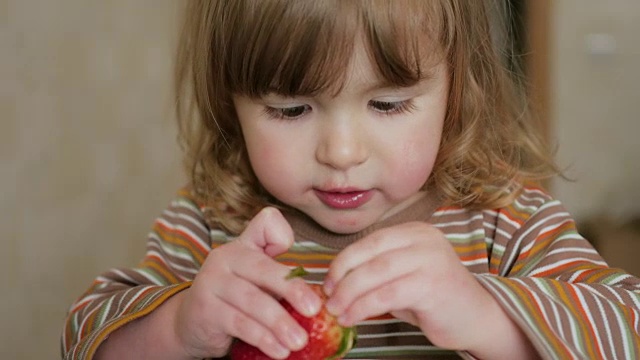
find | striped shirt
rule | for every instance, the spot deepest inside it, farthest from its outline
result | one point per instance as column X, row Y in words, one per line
column 528, row 255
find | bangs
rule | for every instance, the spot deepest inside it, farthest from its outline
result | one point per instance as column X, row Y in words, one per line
column 300, row 48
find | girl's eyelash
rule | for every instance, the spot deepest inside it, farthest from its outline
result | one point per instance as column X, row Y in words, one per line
column 383, row 107
column 287, row 113
column 392, row 107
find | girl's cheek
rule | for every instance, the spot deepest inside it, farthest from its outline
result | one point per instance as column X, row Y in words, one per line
column 276, row 170
column 417, row 163
column 262, row 161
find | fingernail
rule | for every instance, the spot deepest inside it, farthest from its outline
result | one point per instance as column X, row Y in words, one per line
column 297, row 339
column 344, row 320
column 310, row 304
column 328, row 287
column 276, row 349
column 331, row 307
column 281, row 352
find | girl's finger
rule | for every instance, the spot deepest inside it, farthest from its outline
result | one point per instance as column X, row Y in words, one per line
column 398, row 294
column 271, row 276
column 382, row 269
column 269, row 232
column 239, row 325
column 372, row 246
column 261, row 308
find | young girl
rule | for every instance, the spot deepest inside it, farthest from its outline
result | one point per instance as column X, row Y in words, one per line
column 383, row 146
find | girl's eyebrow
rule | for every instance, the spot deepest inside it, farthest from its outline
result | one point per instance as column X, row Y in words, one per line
column 379, row 85
column 385, row 84
column 373, row 86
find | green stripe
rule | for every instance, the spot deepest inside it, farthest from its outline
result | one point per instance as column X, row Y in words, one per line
column 157, row 277
column 468, row 237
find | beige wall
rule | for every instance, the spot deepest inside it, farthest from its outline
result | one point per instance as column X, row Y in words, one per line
column 89, row 158
column 87, row 151
column 596, row 97
column 596, row 91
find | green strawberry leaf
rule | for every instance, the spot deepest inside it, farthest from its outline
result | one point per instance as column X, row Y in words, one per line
column 298, row 271
column 347, row 342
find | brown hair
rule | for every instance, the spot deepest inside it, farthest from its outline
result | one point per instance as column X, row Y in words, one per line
column 302, row 48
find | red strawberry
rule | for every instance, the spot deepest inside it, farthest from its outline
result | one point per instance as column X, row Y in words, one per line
column 327, row 339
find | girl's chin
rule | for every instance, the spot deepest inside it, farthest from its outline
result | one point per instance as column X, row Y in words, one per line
column 344, row 224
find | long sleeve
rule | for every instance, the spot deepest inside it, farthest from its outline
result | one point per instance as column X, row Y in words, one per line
column 176, row 248
column 556, row 287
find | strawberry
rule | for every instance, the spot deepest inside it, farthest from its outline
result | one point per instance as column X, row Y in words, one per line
column 327, row 339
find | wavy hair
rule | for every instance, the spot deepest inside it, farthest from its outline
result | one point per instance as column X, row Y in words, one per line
column 301, row 47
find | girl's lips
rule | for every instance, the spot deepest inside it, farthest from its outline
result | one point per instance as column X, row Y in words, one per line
column 344, row 199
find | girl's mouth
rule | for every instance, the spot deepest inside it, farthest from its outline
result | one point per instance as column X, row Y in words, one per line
column 344, row 199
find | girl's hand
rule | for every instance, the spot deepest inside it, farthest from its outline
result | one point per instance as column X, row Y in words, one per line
column 233, row 295
column 412, row 272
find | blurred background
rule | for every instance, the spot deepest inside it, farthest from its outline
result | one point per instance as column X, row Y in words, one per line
column 89, row 156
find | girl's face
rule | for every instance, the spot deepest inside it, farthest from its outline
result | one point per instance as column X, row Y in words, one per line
column 352, row 159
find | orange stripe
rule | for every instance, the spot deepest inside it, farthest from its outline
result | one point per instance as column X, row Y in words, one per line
column 494, row 265
column 158, row 265
column 81, row 305
column 185, row 193
column 90, row 320
column 216, row 245
column 563, row 294
column 386, row 316
column 448, row 208
column 184, row 240
column 473, row 257
column 632, row 314
column 185, row 235
column 138, row 297
column 123, row 321
column 512, row 213
column 307, row 256
column 564, row 267
column 600, row 273
column 525, row 297
column 541, row 244
column 307, row 266
column 586, row 321
column 479, row 245
column 547, row 237
column 509, row 213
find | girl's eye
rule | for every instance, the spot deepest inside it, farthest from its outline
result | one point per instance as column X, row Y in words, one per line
column 287, row 113
column 391, row 107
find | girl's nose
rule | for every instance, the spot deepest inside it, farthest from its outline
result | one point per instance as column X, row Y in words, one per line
column 342, row 145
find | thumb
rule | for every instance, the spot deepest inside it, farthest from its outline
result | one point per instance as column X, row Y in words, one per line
column 269, row 232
